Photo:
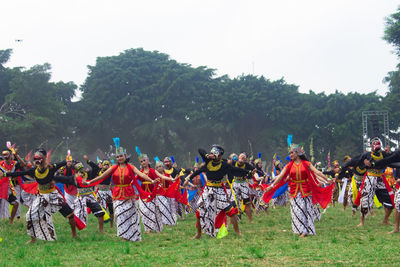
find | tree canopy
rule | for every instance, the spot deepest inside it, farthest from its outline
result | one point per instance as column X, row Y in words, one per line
column 170, row 108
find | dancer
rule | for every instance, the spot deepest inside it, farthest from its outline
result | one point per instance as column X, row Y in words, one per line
column 303, row 180
column 70, row 191
column 48, row 201
column 8, row 164
column 168, row 216
column 258, row 180
column 374, row 183
column 215, row 203
column 103, row 191
column 126, row 213
column 241, row 186
column 86, row 198
column 394, row 158
column 152, row 211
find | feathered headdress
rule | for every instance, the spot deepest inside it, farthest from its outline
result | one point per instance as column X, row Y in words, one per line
column 297, row 148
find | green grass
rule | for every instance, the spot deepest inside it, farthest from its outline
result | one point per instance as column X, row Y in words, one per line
column 268, row 241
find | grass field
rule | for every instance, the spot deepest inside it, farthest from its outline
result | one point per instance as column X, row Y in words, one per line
column 268, row 241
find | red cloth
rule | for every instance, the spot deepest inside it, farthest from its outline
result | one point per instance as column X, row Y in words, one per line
column 4, row 188
column 389, row 189
column 31, row 188
column 321, row 195
column 297, row 173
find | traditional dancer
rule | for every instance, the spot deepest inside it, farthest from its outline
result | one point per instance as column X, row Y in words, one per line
column 86, row 197
column 70, row 191
column 374, row 183
column 303, row 180
column 358, row 169
column 172, row 172
column 345, row 175
column 126, row 213
column 151, row 211
column 48, row 201
column 258, row 180
column 241, row 186
column 215, row 203
column 394, row 158
column 103, row 191
column 8, row 164
column 168, row 216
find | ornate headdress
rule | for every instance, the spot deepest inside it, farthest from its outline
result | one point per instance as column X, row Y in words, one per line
column 217, row 150
column 297, row 148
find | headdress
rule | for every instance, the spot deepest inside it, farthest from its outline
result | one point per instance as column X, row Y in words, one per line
column 297, row 148
column 217, row 150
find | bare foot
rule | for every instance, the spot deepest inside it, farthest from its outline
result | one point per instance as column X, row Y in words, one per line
column 30, row 241
column 303, row 235
column 197, row 236
column 239, row 234
column 386, row 223
column 353, row 213
column 147, row 232
column 360, row 225
column 102, row 232
column 394, row 231
column 74, row 236
column 10, row 222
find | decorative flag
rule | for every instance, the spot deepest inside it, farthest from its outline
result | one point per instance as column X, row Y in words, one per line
column 172, row 159
column 116, row 142
column 222, row 232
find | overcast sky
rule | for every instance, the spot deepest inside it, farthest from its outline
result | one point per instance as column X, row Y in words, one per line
column 319, row 45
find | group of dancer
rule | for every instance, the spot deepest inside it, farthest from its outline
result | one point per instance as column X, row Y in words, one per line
column 218, row 188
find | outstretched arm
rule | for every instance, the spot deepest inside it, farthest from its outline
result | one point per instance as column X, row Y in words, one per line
column 144, row 176
column 102, row 176
column 320, row 176
column 164, row 177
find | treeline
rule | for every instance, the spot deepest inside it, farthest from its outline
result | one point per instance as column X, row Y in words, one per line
column 169, row 108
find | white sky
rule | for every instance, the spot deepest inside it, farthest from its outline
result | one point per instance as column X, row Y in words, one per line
column 317, row 44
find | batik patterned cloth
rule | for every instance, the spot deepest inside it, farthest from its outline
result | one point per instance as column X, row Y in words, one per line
column 82, row 202
column 211, row 203
column 242, row 192
column 151, row 215
column 127, row 219
column 39, row 216
column 302, row 215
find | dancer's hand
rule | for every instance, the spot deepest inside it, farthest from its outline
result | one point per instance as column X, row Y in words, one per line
column 367, row 163
column 185, row 183
column 1, row 174
column 86, row 182
column 269, row 188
